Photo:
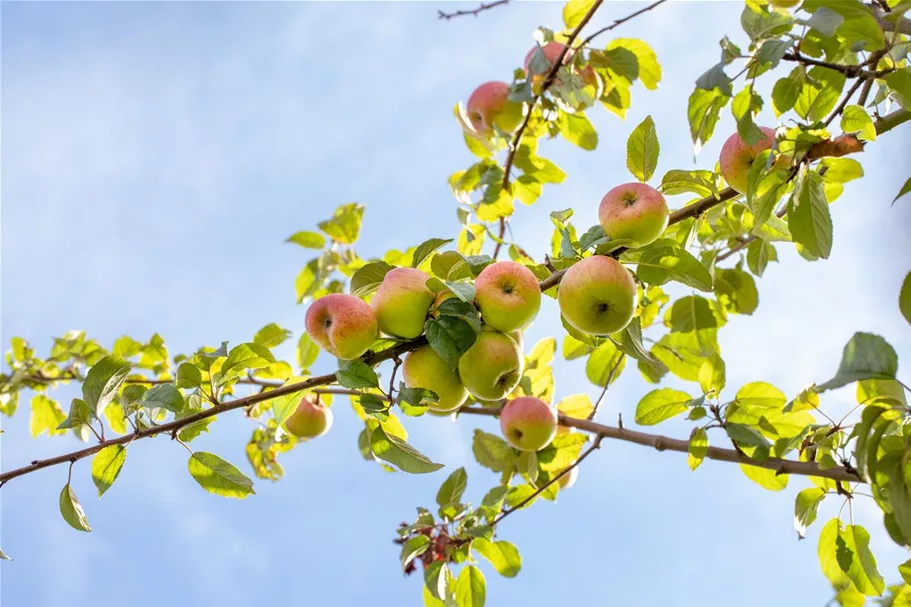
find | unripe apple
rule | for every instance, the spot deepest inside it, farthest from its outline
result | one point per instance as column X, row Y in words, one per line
column 569, row 479
column 528, row 423
column 737, row 156
column 597, row 295
column 635, row 212
column 492, row 367
column 489, row 106
column 424, row 368
column 508, row 295
column 402, row 302
column 342, row 325
column 311, row 418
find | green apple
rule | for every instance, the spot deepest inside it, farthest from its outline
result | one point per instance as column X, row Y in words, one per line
column 508, row 295
column 737, row 157
column 402, row 303
column 492, row 367
column 489, row 106
column 633, row 211
column 528, row 423
column 519, row 338
column 342, row 325
column 597, row 295
column 311, row 418
column 424, row 368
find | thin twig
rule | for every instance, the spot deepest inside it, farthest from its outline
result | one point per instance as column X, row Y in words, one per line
column 850, row 71
column 610, row 378
column 474, row 12
column 540, row 490
column 844, row 102
column 622, row 21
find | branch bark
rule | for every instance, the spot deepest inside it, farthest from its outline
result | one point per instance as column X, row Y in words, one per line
column 664, row 443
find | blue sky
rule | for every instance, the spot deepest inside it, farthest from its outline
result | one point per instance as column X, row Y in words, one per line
column 156, row 157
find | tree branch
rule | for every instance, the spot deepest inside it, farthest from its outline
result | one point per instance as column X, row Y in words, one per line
column 371, row 358
column 664, row 443
column 474, row 12
column 621, row 21
column 850, row 71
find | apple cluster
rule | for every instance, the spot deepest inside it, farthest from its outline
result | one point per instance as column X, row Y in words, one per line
column 490, row 107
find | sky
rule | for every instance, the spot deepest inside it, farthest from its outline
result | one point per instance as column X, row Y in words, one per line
column 156, row 157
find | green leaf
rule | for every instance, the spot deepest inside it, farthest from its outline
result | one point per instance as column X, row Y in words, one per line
column 819, row 94
column 271, row 336
column 905, row 189
column 698, row 448
column 470, row 589
column 703, row 110
column 642, row 150
column 854, row 558
column 103, row 381
column 866, row 356
column 4, row 556
column 452, row 488
column 715, row 79
column 503, row 555
column 246, row 356
column 744, row 106
column 399, row 453
column 72, row 510
column 354, row 374
column 905, row 571
column 217, row 476
column 414, row 547
column 841, row 170
column 450, row 337
column 691, row 313
column 825, row 21
column 164, row 396
column 492, row 452
column 366, row 279
column 786, row 90
column 575, row 10
column 736, row 291
column 711, row 374
column 79, row 414
column 47, row 415
column 578, row 130
column 659, row 405
column 761, row 394
column 767, row 479
column 663, row 261
column 805, row 507
column 606, row 359
column 345, row 225
column 307, row 352
column 855, row 119
column 900, row 83
column 106, row 466
column 424, row 250
column 308, row 240
column 759, row 254
column 562, row 452
column 904, row 298
column 437, row 579
column 808, row 215
column 188, row 376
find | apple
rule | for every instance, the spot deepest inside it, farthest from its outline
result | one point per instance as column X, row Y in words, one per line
column 311, row 418
column 528, row 423
column 402, row 302
column 489, row 106
column 424, row 368
column 737, row 157
column 633, row 211
column 552, row 52
column 492, row 367
column 508, row 295
column 569, row 479
column 342, row 325
column 597, row 295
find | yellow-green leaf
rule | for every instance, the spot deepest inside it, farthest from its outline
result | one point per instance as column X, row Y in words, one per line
column 217, row 476
column 106, row 466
